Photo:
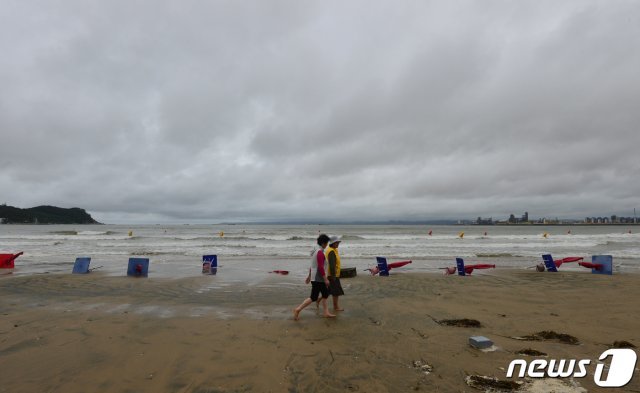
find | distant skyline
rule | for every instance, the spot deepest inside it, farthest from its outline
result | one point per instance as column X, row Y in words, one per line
column 200, row 112
column 445, row 220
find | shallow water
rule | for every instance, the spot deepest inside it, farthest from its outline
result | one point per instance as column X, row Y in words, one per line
column 247, row 252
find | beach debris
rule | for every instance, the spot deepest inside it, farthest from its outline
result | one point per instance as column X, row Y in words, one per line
column 348, row 272
column 283, row 272
column 547, row 335
column 623, row 344
column 422, row 366
column 492, row 384
column 530, row 352
column 480, row 342
column 464, row 322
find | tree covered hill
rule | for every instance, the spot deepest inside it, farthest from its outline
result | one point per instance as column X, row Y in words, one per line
column 44, row 215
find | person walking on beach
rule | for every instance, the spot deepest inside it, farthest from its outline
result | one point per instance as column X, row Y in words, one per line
column 333, row 257
column 318, row 279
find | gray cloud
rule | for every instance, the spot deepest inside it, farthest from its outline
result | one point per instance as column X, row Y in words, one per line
column 148, row 111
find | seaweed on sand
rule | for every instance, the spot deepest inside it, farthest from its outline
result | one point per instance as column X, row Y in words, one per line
column 550, row 335
column 623, row 344
column 492, row 384
column 530, row 352
column 464, row 322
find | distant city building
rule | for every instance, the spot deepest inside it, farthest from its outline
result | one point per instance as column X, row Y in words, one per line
column 484, row 221
column 524, row 219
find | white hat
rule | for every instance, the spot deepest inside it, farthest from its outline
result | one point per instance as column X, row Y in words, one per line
column 334, row 239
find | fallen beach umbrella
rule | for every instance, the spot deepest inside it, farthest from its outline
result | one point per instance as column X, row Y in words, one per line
column 7, row 261
column 552, row 265
column 210, row 264
column 600, row 264
column 138, row 267
column 463, row 269
column 81, row 266
column 383, row 267
column 559, row 262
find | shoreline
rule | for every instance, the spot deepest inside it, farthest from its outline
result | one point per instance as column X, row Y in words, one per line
column 187, row 335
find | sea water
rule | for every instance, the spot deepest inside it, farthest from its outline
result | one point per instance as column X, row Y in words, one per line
column 251, row 251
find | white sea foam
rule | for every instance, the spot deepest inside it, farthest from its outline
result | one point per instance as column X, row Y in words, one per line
column 177, row 250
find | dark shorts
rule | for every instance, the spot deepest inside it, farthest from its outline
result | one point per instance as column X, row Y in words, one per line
column 335, row 288
column 319, row 288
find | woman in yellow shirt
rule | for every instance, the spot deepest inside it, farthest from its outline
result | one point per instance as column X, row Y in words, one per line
column 333, row 257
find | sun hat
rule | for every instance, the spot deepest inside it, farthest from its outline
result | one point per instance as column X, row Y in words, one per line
column 334, row 239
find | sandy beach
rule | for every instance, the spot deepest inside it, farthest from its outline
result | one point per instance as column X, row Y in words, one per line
column 80, row 333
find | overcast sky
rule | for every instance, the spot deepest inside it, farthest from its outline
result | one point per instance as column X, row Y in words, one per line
column 187, row 111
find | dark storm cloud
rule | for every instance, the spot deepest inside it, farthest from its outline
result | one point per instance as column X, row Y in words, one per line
column 155, row 111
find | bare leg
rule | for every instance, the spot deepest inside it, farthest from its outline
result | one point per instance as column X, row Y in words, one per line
column 296, row 311
column 335, row 304
column 325, row 309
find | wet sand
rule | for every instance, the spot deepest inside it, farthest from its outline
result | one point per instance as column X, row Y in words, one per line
column 70, row 333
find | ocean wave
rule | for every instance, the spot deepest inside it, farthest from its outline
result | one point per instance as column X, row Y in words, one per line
column 299, row 238
column 495, row 255
column 219, row 238
column 92, row 233
column 67, row 233
column 147, row 252
column 229, row 245
column 616, row 243
column 352, row 237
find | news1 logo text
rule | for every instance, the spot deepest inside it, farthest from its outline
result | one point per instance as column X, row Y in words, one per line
column 621, row 368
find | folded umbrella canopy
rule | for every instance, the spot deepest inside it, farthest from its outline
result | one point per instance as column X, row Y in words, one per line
column 590, row 265
column 7, row 260
column 469, row 268
column 559, row 262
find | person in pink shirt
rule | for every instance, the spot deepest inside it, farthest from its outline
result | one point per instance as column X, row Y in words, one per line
column 318, row 279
